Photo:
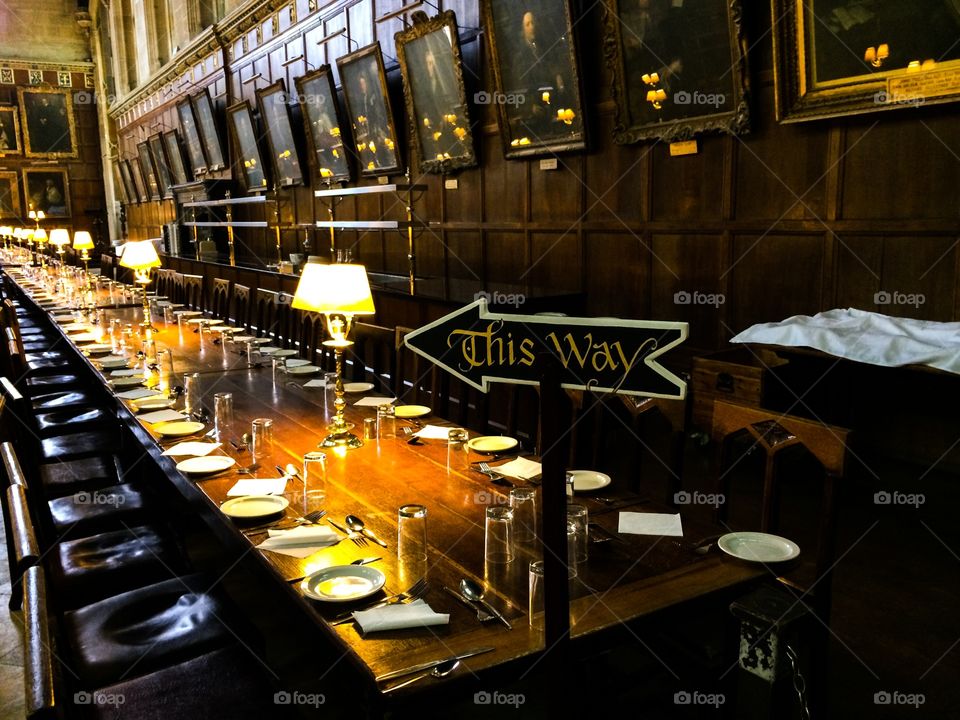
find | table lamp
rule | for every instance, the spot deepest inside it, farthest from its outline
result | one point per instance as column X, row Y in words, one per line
column 36, row 216
column 60, row 238
column 338, row 291
column 140, row 256
column 6, row 232
column 40, row 238
column 83, row 242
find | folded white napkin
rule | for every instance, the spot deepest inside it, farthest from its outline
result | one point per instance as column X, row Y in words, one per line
column 258, row 486
column 650, row 524
column 300, row 542
column 433, row 432
column 160, row 416
column 373, row 401
column 138, row 393
column 399, row 616
column 197, row 449
column 321, row 383
column 519, row 468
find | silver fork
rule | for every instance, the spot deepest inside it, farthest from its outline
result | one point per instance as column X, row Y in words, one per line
column 415, row 592
column 494, row 476
column 310, row 518
column 358, row 539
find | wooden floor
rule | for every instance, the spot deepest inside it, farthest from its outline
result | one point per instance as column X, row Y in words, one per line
column 11, row 647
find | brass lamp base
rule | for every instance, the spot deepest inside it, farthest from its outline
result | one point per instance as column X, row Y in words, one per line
column 340, row 438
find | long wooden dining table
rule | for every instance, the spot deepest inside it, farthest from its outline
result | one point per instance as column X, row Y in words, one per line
column 624, row 580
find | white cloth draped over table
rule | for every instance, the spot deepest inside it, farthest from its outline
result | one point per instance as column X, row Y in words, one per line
column 866, row 337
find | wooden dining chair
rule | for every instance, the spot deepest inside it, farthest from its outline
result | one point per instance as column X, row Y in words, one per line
column 265, row 313
column 22, row 544
column 241, row 306
column 39, row 653
column 372, row 358
column 417, row 380
column 193, row 291
column 220, row 298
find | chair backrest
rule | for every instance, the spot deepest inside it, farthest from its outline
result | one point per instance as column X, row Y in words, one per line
column 265, row 312
column 23, row 544
column 220, row 298
column 241, row 305
column 417, row 379
column 193, row 291
column 312, row 331
column 38, row 652
column 372, row 358
column 164, row 280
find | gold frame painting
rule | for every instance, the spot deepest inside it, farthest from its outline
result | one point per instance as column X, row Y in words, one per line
column 325, row 126
column 278, row 130
column 47, row 121
column 435, row 94
column 47, row 201
column 679, row 69
column 846, row 58
column 16, row 209
column 10, row 130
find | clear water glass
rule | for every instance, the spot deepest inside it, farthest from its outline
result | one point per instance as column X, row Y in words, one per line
column 523, row 502
column 261, row 440
column 498, row 535
column 314, row 481
column 458, row 454
column 386, row 422
column 223, row 415
column 412, row 543
column 578, row 522
column 191, row 393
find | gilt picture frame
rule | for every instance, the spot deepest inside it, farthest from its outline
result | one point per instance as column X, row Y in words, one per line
column 49, row 126
column 275, row 115
column 10, row 206
column 10, row 131
column 326, row 129
column 249, row 160
column 47, row 189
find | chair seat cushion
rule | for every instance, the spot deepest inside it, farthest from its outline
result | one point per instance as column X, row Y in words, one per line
column 33, row 344
column 143, row 630
column 77, row 445
column 48, row 383
column 47, row 354
column 109, row 563
column 81, row 513
column 77, row 417
column 57, row 400
column 226, row 683
column 63, row 478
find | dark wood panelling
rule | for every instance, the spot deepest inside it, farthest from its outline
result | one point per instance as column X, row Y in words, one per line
column 617, row 274
column 689, row 188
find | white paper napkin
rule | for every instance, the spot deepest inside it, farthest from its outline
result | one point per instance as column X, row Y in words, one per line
column 373, row 401
column 197, row 449
column 401, row 615
column 138, row 393
column 519, row 468
column 650, row 524
column 159, row 416
column 433, row 432
column 321, row 383
column 300, row 542
column 258, row 486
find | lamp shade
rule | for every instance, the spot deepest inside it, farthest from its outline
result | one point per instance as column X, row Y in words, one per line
column 339, row 288
column 82, row 240
column 139, row 255
column 6, row 231
column 18, row 233
column 59, row 237
column 40, row 236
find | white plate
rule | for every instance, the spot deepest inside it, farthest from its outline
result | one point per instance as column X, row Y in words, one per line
column 153, row 403
column 343, row 583
column 270, row 350
column 205, row 321
column 282, row 353
column 758, row 547
column 97, row 349
column 64, row 318
column 492, row 444
column 251, row 507
column 113, row 363
column 178, row 428
column 75, row 327
column 187, row 313
column 85, row 337
column 243, row 338
column 205, row 465
column 303, row 370
column 127, row 382
column 129, row 372
column 589, row 480
column 297, row 362
column 357, row 387
column 412, row 411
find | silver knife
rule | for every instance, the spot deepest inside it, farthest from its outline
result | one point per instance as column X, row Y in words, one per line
column 496, row 613
column 433, row 663
column 369, row 533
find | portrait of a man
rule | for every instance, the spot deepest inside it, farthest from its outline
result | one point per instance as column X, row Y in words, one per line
column 276, row 118
column 47, row 190
column 319, row 106
column 191, row 136
column 9, row 196
column 9, row 131
column 245, row 135
column 48, row 124
column 368, row 106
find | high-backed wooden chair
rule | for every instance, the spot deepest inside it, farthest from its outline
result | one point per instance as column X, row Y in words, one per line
column 265, row 313
column 417, row 381
column 23, row 546
column 220, row 298
column 241, row 305
column 163, row 280
column 38, row 649
column 193, row 291
column 312, row 333
column 372, row 357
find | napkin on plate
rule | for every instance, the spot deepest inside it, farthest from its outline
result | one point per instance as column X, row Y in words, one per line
column 258, row 486
column 433, row 432
column 300, row 542
column 373, row 401
column 519, row 468
column 162, row 416
column 651, row 524
column 196, row 449
column 320, row 383
column 138, row 393
column 399, row 616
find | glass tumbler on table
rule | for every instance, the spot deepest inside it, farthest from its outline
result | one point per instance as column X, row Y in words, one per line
column 498, row 535
column 223, row 415
column 458, row 454
column 386, row 422
column 412, row 543
column 191, row 393
column 261, row 440
column 314, row 481
column 523, row 502
column 578, row 523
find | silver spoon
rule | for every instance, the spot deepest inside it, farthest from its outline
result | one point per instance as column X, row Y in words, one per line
column 474, row 592
column 292, row 470
column 356, row 524
column 441, row 670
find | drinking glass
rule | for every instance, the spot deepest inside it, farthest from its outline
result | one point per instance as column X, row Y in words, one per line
column 412, row 543
column 181, row 321
column 279, row 368
column 191, row 393
column 498, row 535
column 167, row 315
column 223, row 415
column 386, row 422
column 577, row 520
column 314, row 480
column 569, row 486
column 165, row 370
column 150, row 351
column 523, row 502
column 253, row 354
column 458, row 454
column 261, row 440
column 536, row 602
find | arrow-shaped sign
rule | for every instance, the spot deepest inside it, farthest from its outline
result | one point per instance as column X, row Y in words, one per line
column 600, row 354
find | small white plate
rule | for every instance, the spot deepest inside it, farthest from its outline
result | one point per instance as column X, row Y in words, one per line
column 412, row 411
column 343, row 583
column 758, row 547
column 127, row 382
column 129, row 372
column 114, row 363
column 243, row 338
column 492, row 444
column 206, row 465
column 97, row 349
column 589, row 480
column 251, row 507
column 84, row 337
column 179, row 428
column 281, row 353
column 357, row 387
column 76, row 327
column 64, row 318
column 303, row 370
column 297, row 362
column 153, row 403
column 187, row 313
column 270, row 350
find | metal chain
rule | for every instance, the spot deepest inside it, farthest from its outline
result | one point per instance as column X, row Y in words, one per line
column 799, row 684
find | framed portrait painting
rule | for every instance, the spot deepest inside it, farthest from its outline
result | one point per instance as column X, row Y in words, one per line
column 250, row 160
column 139, row 181
column 164, row 175
column 178, row 164
column 191, row 137
column 679, row 68
column 209, row 133
column 49, row 128
column 47, row 190
column 434, row 93
column 369, row 111
column 848, row 57
column 276, row 121
column 324, row 125
column 119, row 187
column 149, row 171
column 536, row 78
column 10, row 207
column 126, row 177
column 9, row 131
